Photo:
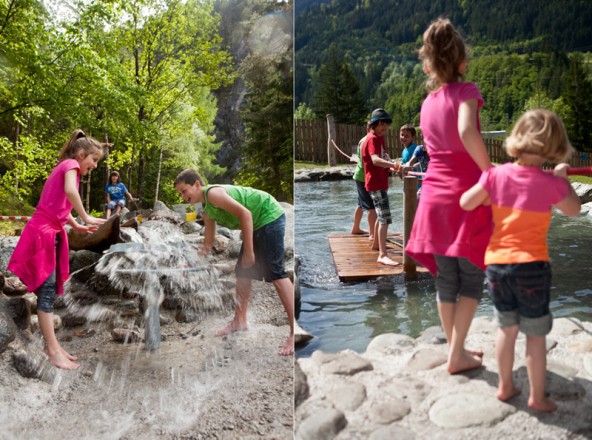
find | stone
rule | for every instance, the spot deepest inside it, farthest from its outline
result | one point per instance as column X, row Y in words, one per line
column 566, row 327
column 348, row 396
column 426, row 359
column 581, row 346
column 389, row 344
column 409, row 389
column 392, row 432
column 347, row 363
column 462, row 410
column 433, row 335
column 301, row 390
column 125, row 335
column 8, row 328
column 588, row 363
column 13, row 286
column 387, row 411
column 322, row 425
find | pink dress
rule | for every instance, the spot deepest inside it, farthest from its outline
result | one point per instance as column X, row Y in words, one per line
column 441, row 226
column 34, row 258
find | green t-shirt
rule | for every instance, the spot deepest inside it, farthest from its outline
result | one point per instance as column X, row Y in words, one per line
column 359, row 173
column 263, row 206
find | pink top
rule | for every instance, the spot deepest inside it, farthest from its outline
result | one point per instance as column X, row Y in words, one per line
column 34, row 258
column 376, row 177
column 441, row 226
column 521, row 212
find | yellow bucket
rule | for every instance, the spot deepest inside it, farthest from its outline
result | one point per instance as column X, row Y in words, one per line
column 190, row 217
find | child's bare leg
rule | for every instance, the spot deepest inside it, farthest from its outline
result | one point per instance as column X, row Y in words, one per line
column 371, row 222
column 285, row 290
column 536, row 365
column 57, row 355
column 383, row 257
column 358, row 213
column 504, row 353
column 376, row 241
column 239, row 322
column 456, row 319
column 108, row 213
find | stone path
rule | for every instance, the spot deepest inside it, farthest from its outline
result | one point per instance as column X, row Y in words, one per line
column 399, row 389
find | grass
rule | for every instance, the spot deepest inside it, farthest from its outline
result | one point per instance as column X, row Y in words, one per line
column 11, row 205
column 310, row 165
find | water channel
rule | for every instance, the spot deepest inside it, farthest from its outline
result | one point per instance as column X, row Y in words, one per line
column 348, row 315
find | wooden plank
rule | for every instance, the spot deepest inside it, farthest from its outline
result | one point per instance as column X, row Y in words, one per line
column 356, row 261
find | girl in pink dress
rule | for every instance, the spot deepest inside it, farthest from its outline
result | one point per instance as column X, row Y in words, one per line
column 40, row 258
column 447, row 240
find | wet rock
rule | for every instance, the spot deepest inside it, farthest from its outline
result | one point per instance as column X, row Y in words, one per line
column 8, row 328
column 7, row 245
column 81, row 259
column 13, row 286
column 322, row 425
column 461, row 410
column 584, row 191
column 72, row 320
column 124, row 335
column 57, row 322
column 187, row 315
column 18, row 309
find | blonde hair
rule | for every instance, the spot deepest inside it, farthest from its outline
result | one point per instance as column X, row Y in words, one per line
column 442, row 53
column 80, row 141
column 540, row 132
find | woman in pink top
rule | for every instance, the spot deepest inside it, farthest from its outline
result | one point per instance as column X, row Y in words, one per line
column 40, row 258
column 518, row 267
column 445, row 239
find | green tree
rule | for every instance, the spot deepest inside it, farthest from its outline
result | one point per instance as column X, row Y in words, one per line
column 339, row 93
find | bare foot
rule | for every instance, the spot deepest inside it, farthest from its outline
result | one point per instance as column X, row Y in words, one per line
column 475, row 352
column 231, row 327
column 358, row 232
column 61, row 361
column 504, row 394
column 371, row 237
column 69, row 356
column 545, row 405
column 466, row 362
column 288, row 347
column 388, row 262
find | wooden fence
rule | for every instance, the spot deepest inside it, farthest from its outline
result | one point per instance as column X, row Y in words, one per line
column 310, row 144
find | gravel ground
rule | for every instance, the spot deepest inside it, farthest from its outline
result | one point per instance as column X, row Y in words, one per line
column 195, row 386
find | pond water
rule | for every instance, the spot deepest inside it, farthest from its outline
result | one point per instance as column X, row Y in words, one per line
column 348, row 315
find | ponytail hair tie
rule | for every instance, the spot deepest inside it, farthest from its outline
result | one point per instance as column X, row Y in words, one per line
column 80, row 134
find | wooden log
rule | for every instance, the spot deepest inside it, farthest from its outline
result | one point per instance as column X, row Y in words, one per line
column 102, row 239
column 409, row 206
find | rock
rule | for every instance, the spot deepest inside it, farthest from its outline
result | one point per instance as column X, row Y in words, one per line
column 388, row 411
column 588, row 363
column 125, row 335
column 7, row 245
column 347, row 363
column 348, row 396
column 322, row 425
column 301, row 336
column 392, row 432
column 461, row 410
column 301, row 391
column 409, row 388
column 14, row 286
column 8, row 328
column 581, row 346
column 584, row 191
column 426, row 359
column 389, row 344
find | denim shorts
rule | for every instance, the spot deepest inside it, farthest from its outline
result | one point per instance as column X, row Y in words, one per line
column 113, row 203
column 364, row 200
column 521, row 294
column 268, row 245
column 457, row 277
column 46, row 294
column 381, row 203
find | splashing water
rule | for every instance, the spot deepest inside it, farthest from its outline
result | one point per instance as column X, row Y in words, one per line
column 163, row 262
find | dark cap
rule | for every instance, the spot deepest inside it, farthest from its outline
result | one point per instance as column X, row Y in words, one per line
column 380, row 114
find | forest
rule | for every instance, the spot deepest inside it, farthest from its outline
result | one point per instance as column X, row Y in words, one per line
column 523, row 54
column 171, row 84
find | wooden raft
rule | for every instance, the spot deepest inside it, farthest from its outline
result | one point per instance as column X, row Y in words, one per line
column 355, row 261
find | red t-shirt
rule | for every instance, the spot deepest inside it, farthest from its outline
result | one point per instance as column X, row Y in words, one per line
column 375, row 177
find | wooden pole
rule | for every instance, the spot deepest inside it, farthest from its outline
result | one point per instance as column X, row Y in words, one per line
column 331, row 159
column 409, row 206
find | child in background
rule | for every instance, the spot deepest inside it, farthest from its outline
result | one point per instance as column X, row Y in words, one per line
column 115, row 193
column 262, row 221
column 445, row 239
column 41, row 258
column 518, row 268
column 364, row 200
column 376, row 169
column 407, row 135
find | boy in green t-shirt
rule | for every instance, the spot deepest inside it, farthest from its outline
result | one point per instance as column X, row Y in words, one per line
column 262, row 222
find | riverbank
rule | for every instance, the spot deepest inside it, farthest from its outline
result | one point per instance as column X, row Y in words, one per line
column 399, row 389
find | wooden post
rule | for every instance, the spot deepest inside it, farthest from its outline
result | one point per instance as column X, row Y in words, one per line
column 331, row 155
column 409, row 206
